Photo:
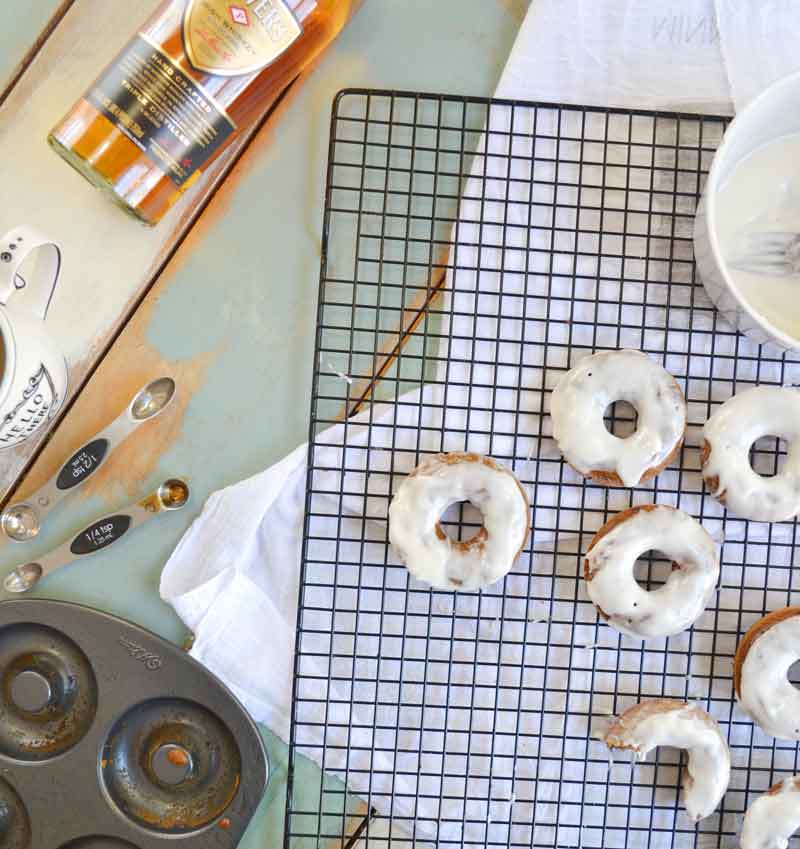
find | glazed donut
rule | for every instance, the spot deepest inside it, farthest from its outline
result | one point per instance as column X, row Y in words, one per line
column 579, row 402
column 761, row 673
column 727, row 438
column 669, row 722
column 612, row 587
column 774, row 817
column 425, row 548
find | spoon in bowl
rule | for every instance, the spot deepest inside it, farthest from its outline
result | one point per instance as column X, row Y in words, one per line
column 772, row 252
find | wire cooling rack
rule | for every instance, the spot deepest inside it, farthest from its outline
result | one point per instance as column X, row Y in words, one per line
column 473, row 251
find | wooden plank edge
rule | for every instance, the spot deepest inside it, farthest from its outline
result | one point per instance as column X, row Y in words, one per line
column 355, row 839
column 27, row 59
column 353, row 826
column 409, row 321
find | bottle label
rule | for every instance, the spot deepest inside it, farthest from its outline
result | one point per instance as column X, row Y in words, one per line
column 231, row 38
column 38, row 405
column 161, row 109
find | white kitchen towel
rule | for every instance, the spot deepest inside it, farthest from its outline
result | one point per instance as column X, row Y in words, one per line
column 233, row 579
column 687, row 55
column 627, row 53
column 758, row 39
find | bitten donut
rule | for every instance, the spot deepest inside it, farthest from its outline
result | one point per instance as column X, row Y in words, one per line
column 727, row 438
column 761, row 673
column 612, row 586
column 774, row 817
column 579, row 402
column 668, row 722
column 421, row 542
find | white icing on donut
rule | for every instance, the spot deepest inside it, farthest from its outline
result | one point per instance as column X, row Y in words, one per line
column 773, row 818
column 609, row 571
column 427, row 551
column 729, row 434
column 765, row 692
column 579, row 402
column 666, row 722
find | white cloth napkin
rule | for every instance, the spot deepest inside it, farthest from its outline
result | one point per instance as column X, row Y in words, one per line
column 233, row 579
column 759, row 43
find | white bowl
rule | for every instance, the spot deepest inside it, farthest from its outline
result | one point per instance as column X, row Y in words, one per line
column 772, row 114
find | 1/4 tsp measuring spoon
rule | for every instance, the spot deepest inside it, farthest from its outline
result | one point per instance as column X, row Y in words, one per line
column 171, row 495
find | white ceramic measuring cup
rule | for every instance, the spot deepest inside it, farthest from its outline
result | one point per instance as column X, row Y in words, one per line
column 770, row 116
column 33, row 372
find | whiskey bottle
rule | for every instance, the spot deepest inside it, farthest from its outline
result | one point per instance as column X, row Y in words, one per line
column 195, row 75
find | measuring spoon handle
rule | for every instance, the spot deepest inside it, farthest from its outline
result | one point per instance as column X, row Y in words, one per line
column 102, row 533
column 87, row 460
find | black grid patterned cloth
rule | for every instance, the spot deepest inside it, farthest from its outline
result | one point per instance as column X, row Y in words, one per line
column 466, row 718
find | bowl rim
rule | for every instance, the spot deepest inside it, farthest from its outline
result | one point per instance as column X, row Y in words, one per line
column 710, row 193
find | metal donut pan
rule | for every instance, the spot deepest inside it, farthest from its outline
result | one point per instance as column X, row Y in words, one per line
column 112, row 737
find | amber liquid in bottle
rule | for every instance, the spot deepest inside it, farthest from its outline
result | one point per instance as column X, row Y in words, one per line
column 196, row 74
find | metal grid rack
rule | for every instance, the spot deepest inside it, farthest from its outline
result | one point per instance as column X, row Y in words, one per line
column 473, row 251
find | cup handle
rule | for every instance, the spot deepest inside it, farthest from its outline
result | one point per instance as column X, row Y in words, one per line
column 16, row 246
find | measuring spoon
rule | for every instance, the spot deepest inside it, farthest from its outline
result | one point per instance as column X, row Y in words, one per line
column 171, row 495
column 22, row 521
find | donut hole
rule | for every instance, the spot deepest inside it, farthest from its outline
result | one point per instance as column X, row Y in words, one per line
column 461, row 521
column 621, row 419
column 767, row 456
column 652, row 570
column 794, row 674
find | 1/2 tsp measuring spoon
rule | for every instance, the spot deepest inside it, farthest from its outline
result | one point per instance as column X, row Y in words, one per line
column 171, row 495
column 22, row 521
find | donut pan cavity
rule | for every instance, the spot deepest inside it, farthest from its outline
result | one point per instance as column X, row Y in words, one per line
column 112, row 738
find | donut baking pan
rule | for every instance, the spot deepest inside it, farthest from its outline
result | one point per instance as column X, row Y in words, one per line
column 464, row 273
column 112, row 738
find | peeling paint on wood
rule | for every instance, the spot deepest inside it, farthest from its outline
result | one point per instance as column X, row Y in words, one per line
column 516, row 9
column 109, row 260
column 242, row 288
column 123, row 372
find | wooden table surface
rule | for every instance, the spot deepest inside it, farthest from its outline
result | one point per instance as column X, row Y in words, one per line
column 224, row 301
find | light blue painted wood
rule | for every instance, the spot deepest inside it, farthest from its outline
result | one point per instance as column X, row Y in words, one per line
column 247, row 289
column 27, row 19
